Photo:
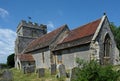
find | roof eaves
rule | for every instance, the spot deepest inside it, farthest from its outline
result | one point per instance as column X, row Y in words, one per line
column 81, row 41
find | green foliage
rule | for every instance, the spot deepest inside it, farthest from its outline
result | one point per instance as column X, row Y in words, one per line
column 10, row 60
column 3, row 66
column 92, row 71
column 116, row 33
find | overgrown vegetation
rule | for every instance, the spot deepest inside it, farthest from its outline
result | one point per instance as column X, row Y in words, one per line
column 92, row 71
column 116, row 32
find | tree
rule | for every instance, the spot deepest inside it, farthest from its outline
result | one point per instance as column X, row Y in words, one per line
column 116, row 33
column 10, row 60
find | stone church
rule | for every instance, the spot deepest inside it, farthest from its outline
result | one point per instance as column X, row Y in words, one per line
column 94, row 40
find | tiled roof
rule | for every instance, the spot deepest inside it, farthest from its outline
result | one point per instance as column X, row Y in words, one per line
column 78, row 42
column 45, row 40
column 82, row 31
column 79, row 36
column 25, row 57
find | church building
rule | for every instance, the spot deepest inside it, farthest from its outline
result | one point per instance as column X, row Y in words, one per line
column 92, row 41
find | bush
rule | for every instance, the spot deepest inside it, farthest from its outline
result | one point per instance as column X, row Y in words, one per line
column 92, row 71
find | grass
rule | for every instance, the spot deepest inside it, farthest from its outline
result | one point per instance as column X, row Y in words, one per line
column 19, row 76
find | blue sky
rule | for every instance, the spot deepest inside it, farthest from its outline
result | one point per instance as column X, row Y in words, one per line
column 53, row 13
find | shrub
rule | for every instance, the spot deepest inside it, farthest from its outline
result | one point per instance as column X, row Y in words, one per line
column 92, row 71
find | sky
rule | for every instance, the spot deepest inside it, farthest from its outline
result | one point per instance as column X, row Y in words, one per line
column 53, row 13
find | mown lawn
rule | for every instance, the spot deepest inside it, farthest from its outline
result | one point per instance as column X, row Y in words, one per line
column 19, row 76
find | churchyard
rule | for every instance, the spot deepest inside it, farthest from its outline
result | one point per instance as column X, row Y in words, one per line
column 14, row 74
column 18, row 75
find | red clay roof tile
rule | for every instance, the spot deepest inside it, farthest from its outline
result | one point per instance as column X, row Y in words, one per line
column 45, row 40
column 25, row 57
column 82, row 31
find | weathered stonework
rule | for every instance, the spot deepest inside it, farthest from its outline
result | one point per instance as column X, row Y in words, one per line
column 97, row 46
column 42, row 59
column 44, row 56
column 63, row 46
column 69, row 55
column 27, row 32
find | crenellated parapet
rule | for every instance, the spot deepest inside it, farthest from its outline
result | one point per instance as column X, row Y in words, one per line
column 26, row 32
column 31, row 25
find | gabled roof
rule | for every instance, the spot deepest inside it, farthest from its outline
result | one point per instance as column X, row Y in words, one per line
column 25, row 57
column 79, row 36
column 82, row 31
column 45, row 40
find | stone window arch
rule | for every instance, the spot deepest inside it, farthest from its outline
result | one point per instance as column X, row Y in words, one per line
column 107, row 49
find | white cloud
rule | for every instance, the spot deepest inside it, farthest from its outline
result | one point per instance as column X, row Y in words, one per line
column 7, row 38
column 3, row 13
column 50, row 26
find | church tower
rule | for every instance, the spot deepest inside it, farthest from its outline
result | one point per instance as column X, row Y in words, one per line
column 26, row 32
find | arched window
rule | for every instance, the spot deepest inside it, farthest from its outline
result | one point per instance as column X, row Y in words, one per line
column 107, row 49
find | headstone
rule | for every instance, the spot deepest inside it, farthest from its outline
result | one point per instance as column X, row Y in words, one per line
column 53, row 69
column 28, row 69
column 7, row 75
column 41, row 72
column 31, row 69
column 24, row 72
column 62, row 71
column 73, row 74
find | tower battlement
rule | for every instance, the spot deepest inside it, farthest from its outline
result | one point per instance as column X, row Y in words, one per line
column 31, row 25
column 26, row 32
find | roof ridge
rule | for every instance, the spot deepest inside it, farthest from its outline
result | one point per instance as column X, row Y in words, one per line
column 86, row 24
column 82, row 31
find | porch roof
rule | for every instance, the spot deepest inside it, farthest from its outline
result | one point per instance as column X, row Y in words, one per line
column 25, row 57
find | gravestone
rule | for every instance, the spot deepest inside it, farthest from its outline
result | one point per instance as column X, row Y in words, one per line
column 7, row 75
column 28, row 69
column 24, row 70
column 31, row 69
column 62, row 71
column 73, row 74
column 41, row 72
column 53, row 69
